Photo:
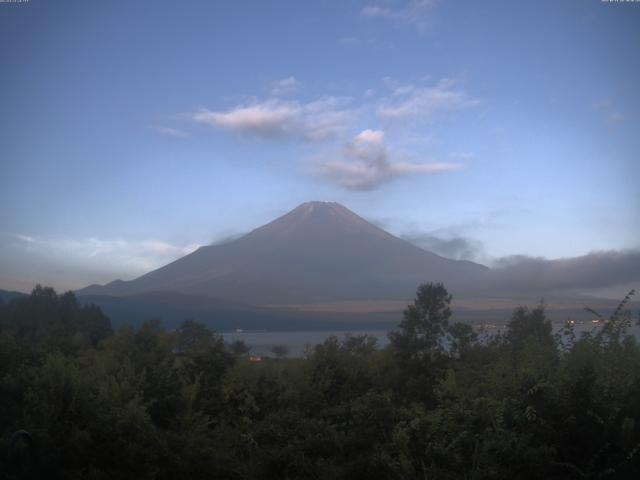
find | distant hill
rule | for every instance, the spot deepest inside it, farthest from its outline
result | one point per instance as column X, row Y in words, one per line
column 318, row 252
column 7, row 295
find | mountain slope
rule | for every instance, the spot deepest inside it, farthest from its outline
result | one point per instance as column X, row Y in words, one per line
column 318, row 252
column 7, row 295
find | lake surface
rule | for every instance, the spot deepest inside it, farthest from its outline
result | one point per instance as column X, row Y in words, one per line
column 261, row 342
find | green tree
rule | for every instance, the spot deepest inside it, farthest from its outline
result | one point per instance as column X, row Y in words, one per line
column 238, row 348
column 425, row 323
column 462, row 338
column 529, row 326
column 194, row 337
column 419, row 345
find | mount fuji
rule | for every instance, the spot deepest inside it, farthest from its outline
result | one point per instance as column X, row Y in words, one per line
column 320, row 252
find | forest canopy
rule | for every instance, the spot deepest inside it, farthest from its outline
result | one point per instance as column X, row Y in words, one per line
column 442, row 400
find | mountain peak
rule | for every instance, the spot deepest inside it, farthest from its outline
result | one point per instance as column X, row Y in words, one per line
column 316, row 205
column 331, row 208
column 319, row 219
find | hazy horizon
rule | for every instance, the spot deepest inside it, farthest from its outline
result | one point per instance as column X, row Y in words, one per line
column 325, row 242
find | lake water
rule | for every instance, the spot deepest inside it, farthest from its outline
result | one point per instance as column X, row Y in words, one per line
column 261, row 342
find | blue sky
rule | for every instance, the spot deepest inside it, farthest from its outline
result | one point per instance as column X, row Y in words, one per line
column 133, row 131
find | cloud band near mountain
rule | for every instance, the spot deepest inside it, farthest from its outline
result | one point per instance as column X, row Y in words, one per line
column 594, row 270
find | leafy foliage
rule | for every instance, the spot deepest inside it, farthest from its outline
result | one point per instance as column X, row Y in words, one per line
column 438, row 402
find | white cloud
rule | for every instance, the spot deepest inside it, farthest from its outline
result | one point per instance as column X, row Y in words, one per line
column 420, row 102
column 364, row 164
column 615, row 117
column 594, row 270
column 417, row 13
column 602, row 104
column 136, row 257
column 368, row 138
column 284, row 86
column 453, row 246
column 611, row 114
column 275, row 118
column 353, row 41
column 24, row 238
column 171, row 132
column 376, row 11
column 328, row 117
column 462, row 155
